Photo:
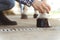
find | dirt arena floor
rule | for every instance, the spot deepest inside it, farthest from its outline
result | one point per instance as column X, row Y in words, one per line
column 28, row 23
column 26, row 30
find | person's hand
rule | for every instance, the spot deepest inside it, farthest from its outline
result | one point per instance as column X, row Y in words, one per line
column 41, row 6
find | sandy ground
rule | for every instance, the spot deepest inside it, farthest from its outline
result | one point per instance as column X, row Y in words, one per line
column 29, row 23
column 27, row 30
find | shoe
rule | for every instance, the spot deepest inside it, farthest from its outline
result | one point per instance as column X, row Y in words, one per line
column 23, row 16
column 35, row 15
column 5, row 21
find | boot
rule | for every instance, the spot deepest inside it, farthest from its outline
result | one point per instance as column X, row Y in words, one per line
column 35, row 15
column 5, row 21
column 23, row 16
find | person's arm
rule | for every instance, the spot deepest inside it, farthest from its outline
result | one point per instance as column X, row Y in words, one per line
column 41, row 6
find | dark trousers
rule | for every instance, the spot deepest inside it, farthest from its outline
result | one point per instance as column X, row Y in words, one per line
column 6, row 4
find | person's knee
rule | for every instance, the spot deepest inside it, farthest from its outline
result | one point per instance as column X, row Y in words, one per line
column 6, row 4
column 11, row 4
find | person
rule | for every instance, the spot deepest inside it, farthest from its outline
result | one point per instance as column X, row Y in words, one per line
column 8, row 4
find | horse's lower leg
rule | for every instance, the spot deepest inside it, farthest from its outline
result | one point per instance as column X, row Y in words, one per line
column 42, row 21
column 23, row 12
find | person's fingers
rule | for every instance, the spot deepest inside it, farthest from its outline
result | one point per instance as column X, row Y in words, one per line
column 48, row 7
column 45, row 7
column 35, row 7
column 44, row 1
column 40, row 8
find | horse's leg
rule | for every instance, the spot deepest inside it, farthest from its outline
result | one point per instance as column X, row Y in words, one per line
column 23, row 11
column 42, row 21
column 35, row 14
